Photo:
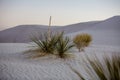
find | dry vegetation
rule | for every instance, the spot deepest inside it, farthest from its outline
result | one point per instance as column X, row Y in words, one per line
column 82, row 40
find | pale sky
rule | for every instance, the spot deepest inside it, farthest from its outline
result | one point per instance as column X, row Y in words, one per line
column 63, row 12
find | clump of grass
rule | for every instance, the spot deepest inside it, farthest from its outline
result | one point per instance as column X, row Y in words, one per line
column 82, row 40
column 109, row 69
column 63, row 46
column 43, row 46
column 113, row 67
column 55, row 44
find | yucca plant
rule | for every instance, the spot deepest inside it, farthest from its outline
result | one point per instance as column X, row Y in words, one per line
column 82, row 40
column 57, row 44
column 108, row 69
column 77, row 72
column 45, row 46
column 113, row 66
column 63, row 45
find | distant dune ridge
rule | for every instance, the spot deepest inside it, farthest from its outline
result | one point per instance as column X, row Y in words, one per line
column 104, row 33
column 98, row 29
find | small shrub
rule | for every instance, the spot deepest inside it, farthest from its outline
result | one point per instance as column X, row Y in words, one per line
column 82, row 40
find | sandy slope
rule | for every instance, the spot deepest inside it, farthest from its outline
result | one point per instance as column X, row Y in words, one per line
column 22, row 33
column 15, row 66
column 104, row 33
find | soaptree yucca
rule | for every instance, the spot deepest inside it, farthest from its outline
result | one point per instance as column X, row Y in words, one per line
column 45, row 45
column 55, row 44
column 110, row 70
column 82, row 40
column 63, row 46
column 107, row 69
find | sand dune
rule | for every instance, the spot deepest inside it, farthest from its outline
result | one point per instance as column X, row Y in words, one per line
column 104, row 33
column 22, row 33
column 14, row 65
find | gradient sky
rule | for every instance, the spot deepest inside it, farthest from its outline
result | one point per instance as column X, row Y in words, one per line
column 63, row 12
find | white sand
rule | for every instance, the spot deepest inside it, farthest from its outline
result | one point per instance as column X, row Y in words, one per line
column 15, row 66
